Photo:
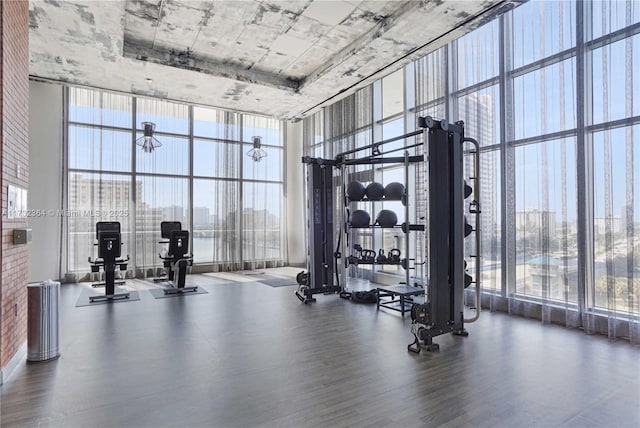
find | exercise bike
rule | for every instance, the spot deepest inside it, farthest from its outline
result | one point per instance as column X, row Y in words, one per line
column 166, row 227
column 109, row 251
column 177, row 260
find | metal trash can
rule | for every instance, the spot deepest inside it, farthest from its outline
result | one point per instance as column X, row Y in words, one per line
column 43, row 321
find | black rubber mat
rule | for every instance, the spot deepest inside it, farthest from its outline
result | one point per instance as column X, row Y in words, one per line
column 278, row 282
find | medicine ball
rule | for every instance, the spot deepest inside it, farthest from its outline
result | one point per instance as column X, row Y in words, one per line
column 375, row 191
column 467, row 190
column 387, row 218
column 356, row 191
column 360, row 218
column 467, row 280
column 394, row 191
column 467, row 227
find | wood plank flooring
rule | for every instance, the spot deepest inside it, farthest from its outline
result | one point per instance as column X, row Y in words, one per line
column 250, row 355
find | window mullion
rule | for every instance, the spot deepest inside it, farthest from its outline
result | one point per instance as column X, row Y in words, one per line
column 507, row 157
column 584, row 151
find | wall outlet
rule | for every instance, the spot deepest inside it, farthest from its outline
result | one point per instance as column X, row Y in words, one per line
column 21, row 236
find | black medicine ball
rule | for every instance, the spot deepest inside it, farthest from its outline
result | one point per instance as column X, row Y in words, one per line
column 387, row 218
column 375, row 191
column 356, row 191
column 467, row 228
column 359, row 218
column 467, row 190
column 394, row 191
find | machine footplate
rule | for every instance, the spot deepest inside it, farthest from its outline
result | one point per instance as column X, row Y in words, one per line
column 109, row 297
column 193, row 289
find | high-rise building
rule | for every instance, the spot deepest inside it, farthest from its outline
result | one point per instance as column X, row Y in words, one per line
column 173, row 213
column 533, row 221
column 201, row 216
column 477, row 112
column 603, row 224
column 93, row 199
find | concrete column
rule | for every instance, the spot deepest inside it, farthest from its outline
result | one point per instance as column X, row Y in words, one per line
column 45, row 181
column 294, row 196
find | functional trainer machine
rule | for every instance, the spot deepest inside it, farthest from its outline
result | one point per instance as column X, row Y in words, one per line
column 177, row 259
column 321, row 259
column 109, row 251
column 445, row 227
column 443, row 310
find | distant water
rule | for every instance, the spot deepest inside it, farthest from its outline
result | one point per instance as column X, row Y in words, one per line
column 203, row 251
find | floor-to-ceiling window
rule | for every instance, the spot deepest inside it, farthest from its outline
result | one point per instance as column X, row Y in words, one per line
column 475, row 94
column 262, row 225
column 540, row 68
column 200, row 176
column 391, row 124
column 99, row 182
column 216, row 185
column 611, row 40
column 162, row 177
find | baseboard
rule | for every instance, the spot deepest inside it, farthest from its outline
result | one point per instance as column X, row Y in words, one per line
column 297, row 265
column 17, row 358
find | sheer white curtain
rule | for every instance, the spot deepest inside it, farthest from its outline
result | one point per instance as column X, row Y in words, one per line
column 613, row 299
column 199, row 175
column 99, row 141
column 544, row 102
column 216, row 188
column 162, row 179
column 263, row 213
column 94, row 197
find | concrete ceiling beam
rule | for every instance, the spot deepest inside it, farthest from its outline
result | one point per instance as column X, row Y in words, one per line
column 186, row 61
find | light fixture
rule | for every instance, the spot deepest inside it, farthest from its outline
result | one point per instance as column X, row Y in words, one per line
column 148, row 142
column 257, row 153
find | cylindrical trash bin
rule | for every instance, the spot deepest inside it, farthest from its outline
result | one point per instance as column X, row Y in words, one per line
column 43, row 321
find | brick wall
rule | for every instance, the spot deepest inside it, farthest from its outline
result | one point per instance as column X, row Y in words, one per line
column 14, row 151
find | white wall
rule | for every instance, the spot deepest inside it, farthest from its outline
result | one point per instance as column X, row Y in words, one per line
column 294, row 196
column 45, row 179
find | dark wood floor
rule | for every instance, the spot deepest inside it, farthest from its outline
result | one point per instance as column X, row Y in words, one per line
column 247, row 355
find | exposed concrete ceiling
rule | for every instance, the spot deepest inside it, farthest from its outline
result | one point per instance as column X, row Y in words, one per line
column 282, row 58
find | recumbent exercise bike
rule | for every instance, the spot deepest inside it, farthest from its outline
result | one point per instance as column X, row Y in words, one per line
column 109, row 251
column 177, row 259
